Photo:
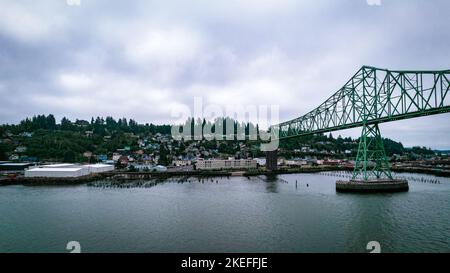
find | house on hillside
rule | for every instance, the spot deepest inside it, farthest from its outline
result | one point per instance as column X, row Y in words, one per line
column 123, row 160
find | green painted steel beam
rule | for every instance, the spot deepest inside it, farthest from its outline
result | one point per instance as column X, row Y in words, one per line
column 445, row 109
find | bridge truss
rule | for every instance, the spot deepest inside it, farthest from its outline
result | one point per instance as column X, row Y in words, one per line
column 373, row 96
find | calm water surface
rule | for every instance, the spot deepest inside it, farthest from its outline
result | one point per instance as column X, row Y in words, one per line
column 228, row 215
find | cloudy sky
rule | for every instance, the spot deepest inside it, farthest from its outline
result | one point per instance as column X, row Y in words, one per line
column 141, row 59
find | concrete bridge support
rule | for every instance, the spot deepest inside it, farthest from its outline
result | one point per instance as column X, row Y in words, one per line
column 272, row 160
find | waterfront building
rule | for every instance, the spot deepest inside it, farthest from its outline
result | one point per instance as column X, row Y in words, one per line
column 99, row 168
column 59, row 165
column 67, row 170
column 149, row 167
column 57, row 172
column 217, row 164
column 295, row 162
column 315, row 161
column 181, row 163
column 332, row 162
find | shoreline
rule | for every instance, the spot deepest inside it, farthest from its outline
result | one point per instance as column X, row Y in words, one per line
column 123, row 176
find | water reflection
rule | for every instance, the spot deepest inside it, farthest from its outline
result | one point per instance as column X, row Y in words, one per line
column 369, row 219
column 228, row 214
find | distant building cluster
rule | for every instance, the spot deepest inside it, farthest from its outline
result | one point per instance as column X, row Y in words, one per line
column 217, row 164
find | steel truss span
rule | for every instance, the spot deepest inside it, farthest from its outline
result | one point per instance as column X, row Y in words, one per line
column 375, row 95
column 370, row 97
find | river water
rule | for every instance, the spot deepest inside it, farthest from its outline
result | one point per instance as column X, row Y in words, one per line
column 236, row 214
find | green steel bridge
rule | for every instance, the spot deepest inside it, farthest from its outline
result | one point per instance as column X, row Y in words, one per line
column 373, row 96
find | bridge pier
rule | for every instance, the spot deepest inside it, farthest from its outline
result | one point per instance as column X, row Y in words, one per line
column 272, row 160
column 372, row 186
column 372, row 172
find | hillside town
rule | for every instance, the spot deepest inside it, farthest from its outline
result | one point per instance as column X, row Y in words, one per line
column 45, row 148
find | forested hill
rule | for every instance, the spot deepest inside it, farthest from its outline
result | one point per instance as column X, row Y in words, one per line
column 99, row 125
column 44, row 138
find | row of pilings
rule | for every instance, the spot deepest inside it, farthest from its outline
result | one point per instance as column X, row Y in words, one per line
column 349, row 175
column 115, row 182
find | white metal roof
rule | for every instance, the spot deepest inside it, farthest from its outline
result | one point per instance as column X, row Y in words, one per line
column 14, row 164
column 58, row 165
column 98, row 165
column 55, row 170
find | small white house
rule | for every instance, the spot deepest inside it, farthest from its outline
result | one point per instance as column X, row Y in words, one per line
column 180, row 162
column 261, row 161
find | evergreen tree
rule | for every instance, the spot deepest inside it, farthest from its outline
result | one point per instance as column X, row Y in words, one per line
column 163, row 156
column 66, row 124
column 3, row 153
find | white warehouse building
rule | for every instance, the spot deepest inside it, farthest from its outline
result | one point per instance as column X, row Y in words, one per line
column 67, row 170
column 56, row 172
column 99, row 168
column 55, row 166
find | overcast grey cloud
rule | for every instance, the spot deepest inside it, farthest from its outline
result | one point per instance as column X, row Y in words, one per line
column 140, row 59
